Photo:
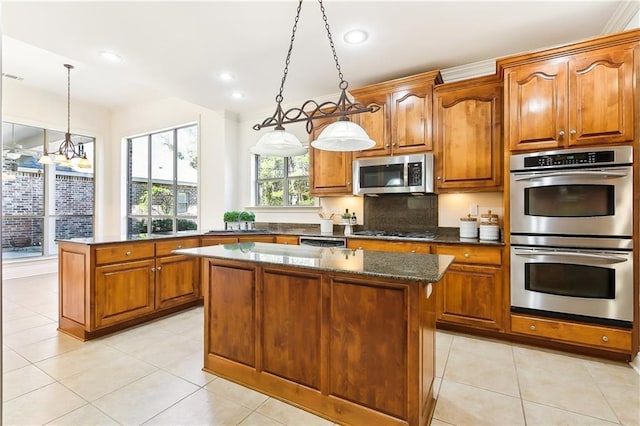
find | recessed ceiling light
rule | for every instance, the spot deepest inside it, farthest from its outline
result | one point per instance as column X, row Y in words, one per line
column 237, row 95
column 356, row 36
column 110, row 56
column 226, row 76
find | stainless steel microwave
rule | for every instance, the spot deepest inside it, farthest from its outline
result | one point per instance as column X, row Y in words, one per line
column 393, row 175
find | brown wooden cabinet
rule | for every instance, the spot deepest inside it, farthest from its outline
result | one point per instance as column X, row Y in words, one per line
column 110, row 286
column 330, row 172
column 595, row 336
column 287, row 239
column 468, row 135
column 580, row 95
column 386, row 245
column 471, row 291
column 403, row 125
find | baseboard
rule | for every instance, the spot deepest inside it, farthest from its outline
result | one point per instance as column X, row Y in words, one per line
column 21, row 268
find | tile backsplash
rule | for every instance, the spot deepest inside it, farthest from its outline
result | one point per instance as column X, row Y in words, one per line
column 401, row 212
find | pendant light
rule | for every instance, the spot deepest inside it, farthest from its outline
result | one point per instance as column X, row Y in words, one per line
column 342, row 135
column 67, row 150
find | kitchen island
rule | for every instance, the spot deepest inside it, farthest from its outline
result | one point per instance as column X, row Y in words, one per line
column 346, row 334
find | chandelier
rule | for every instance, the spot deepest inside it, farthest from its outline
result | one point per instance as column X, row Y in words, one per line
column 342, row 135
column 67, row 150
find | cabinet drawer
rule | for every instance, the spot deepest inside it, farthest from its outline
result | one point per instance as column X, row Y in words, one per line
column 287, row 239
column 393, row 246
column 472, row 254
column 584, row 334
column 164, row 248
column 124, row 252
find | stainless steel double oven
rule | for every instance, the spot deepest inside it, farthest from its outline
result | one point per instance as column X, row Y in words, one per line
column 571, row 219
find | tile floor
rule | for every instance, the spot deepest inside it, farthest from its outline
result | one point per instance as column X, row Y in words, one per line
column 152, row 375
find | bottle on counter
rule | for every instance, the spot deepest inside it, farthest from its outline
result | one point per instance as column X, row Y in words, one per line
column 354, row 220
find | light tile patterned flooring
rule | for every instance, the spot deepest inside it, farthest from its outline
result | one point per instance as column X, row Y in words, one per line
column 152, row 375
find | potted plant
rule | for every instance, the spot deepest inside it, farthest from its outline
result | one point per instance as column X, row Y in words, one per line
column 231, row 218
column 247, row 219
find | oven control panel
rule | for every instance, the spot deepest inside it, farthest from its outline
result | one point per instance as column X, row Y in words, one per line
column 568, row 158
column 577, row 158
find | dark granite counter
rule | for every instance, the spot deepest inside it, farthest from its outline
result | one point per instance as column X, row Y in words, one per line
column 427, row 268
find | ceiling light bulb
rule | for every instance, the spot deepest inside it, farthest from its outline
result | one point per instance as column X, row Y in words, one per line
column 110, row 56
column 237, row 95
column 226, row 76
column 356, row 36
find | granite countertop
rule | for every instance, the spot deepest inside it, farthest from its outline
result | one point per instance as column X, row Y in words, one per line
column 427, row 268
column 442, row 236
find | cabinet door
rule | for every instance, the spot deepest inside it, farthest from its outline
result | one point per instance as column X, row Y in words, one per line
column 330, row 171
column 411, row 120
column 535, row 105
column 123, row 291
column 468, row 137
column 601, row 96
column 471, row 295
column 177, row 279
column 376, row 124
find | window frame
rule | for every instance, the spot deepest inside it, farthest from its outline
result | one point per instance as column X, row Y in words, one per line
column 175, row 190
column 285, row 184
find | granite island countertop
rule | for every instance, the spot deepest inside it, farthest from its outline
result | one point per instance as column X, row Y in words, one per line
column 426, row 268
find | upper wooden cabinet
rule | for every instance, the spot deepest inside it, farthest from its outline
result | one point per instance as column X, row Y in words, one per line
column 330, row 172
column 579, row 95
column 403, row 125
column 468, row 135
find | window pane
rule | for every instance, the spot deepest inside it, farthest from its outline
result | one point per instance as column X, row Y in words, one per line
column 162, row 225
column 22, row 237
column 299, row 165
column 136, row 225
column 187, row 153
column 74, row 227
column 138, row 175
column 162, row 173
column 270, row 167
column 299, row 192
column 22, row 189
column 270, row 193
column 187, row 225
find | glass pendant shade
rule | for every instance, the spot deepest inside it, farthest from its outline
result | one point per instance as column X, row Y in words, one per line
column 84, row 163
column 279, row 143
column 343, row 135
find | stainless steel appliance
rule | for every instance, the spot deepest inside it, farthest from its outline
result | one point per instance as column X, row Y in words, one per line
column 573, row 192
column 426, row 235
column 393, row 175
column 571, row 234
column 323, row 241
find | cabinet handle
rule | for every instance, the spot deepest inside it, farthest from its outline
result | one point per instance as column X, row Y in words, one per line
column 348, row 183
column 153, row 269
column 605, row 339
column 179, row 246
column 413, row 251
column 532, row 327
column 561, row 133
column 439, row 178
column 158, row 268
column 127, row 253
column 394, row 144
column 387, row 146
column 466, row 255
column 573, row 131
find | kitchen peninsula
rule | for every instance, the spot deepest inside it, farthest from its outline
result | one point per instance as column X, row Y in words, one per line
column 346, row 334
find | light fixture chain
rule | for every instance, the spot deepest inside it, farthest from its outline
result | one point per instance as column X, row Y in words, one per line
column 68, row 98
column 333, row 47
column 288, row 60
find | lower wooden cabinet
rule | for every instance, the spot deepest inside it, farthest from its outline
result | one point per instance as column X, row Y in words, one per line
column 596, row 336
column 287, row 239
column 177, row 280
column 471, row 291
column 123, row 291
column 386, row 245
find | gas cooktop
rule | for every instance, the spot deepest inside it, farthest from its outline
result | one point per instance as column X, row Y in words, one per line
column 426, row 235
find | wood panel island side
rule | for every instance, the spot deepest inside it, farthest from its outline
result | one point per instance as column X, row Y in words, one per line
column 346, row 334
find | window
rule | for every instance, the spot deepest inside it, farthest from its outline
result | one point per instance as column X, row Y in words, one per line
column 283, row 181
column 42, row 203
column 163, row 181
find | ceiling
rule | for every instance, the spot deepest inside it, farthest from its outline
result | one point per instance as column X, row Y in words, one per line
column 178, row 48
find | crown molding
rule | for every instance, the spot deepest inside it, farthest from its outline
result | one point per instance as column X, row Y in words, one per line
column 463, row 72
column 622, row 16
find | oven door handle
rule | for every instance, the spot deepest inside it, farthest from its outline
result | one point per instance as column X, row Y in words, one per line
column 568, row 255
column 599, row 174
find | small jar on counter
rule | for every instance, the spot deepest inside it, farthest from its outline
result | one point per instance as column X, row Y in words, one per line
column 468, row 227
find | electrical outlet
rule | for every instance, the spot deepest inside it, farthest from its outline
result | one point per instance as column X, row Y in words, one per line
column 473, row 209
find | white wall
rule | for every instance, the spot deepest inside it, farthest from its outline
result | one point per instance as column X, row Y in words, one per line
column 217, row 139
